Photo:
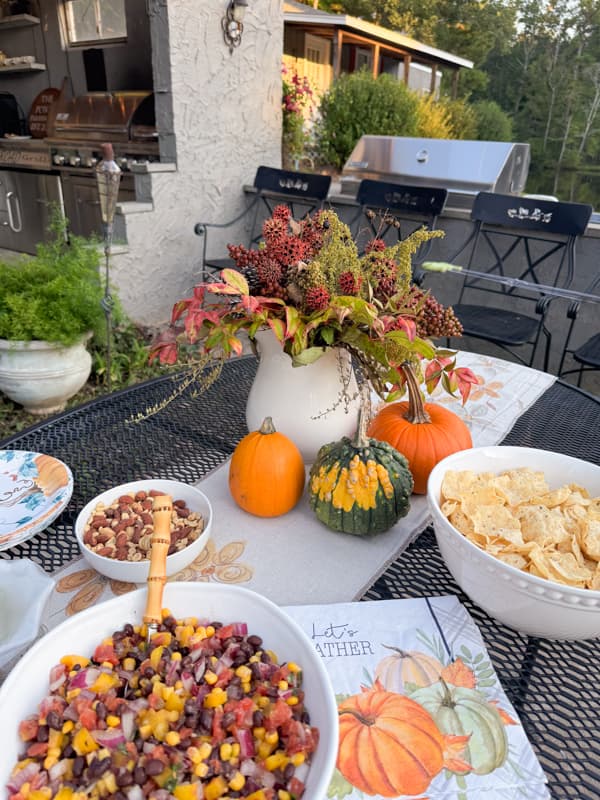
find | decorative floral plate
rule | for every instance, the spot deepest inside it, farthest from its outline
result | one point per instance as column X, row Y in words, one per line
column 34, row 489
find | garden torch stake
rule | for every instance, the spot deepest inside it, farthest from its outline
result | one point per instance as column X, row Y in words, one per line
column 108, row 175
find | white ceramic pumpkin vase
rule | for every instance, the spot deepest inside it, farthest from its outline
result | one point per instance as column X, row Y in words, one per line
column 312, row 405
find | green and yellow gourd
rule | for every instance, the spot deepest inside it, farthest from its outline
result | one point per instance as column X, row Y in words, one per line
column 360, row 486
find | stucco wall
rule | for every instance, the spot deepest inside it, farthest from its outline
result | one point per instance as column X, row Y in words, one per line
column 226, row 122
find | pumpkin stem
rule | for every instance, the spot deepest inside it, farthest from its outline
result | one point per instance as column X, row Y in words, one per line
column 416, row 409
column 267, row 426
column 356, row 715
column 447, row 699
column 400, row 652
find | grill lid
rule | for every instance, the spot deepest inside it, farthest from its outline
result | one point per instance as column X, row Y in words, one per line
column 102, row 116
column 461, row 166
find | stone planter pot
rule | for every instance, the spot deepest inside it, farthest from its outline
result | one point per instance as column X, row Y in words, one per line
column 42, row 376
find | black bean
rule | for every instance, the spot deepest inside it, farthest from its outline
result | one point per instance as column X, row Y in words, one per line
column 153, row 767
column 98, row 767
column 288, row 772
column 206, row 718
column 129, row 629
column 124, row 778
column 255, row 670
column 54, row 720
column 139, row 776
column 228, row 717
column 305, row 718
column 78, row 766
column 43, row 733
column 119, row 796
column 234, row 692
column 258, row 719
column 68, row 752
column 101, row 710
column 190, row 707
column 255, row 641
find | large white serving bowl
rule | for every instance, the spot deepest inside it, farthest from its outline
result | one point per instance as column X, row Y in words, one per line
column 27, row 684
column 137, row 571
column 524, row 602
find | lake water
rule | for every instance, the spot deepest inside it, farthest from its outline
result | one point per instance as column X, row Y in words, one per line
column 574, row 186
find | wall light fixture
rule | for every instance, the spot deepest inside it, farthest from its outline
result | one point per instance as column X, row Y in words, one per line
column 232, row 23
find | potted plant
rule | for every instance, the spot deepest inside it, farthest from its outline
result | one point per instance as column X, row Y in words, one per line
column 304, row 294
column 50, row 307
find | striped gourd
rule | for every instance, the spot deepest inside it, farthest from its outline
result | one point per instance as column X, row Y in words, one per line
column 360, row 486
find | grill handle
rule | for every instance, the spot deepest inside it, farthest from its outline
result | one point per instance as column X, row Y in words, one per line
column 18, row 226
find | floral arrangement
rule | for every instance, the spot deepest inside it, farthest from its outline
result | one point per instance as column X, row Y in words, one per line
column 310, row 285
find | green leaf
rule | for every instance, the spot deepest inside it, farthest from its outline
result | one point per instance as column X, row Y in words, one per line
column 465, row 650
column 339, row 786
column 236, row 280
column 308, row 356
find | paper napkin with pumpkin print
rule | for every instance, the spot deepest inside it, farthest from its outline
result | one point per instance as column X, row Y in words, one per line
column 449, row 733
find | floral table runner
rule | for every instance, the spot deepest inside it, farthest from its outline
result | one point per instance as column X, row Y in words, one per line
column 423, row 665
column 294, row 559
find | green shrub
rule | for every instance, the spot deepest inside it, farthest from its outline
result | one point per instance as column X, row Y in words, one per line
column 493, row 124
column 433, row 119
column 359, row 104
column 462, row 117
column 56, row 295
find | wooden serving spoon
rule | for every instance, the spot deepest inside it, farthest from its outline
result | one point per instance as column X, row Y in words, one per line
column 157, row 577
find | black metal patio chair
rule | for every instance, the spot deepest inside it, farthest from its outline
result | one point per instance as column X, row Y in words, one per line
column 303, row 192
column 519, row 250
column 399, row 209
column 586, row 355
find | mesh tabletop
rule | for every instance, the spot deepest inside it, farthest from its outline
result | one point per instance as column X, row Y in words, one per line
column 553, row 685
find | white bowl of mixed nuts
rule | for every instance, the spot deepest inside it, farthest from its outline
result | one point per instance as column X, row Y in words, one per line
column 114, row 530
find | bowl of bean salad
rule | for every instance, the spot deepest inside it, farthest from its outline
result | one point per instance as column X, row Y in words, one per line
column 229, row 699
column 114, row 530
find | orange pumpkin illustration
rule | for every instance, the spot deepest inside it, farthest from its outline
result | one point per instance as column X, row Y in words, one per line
column 52, row 475
column 389, row 745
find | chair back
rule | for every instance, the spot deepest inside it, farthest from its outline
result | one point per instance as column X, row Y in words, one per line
column 524, row 238
column 400, row 206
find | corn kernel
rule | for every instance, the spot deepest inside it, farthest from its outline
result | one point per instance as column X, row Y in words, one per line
column 265, row 749
column 165, row 612
column 112, row 721
column 210, row 631
column 176, row 656
column 292, row 701
column 216, row 697
column 259, row 733
column 244, row 672
column 263, row 702
column 282, row 794
column 237, row 782
column 129, row 664
column 283, row 685
column 215, row 788
column 50, row 761
column 225, row 751
column 275, row 761
column 145, row 731
column 210, row 677
column 235, row 750
column 173, row 738
column 297, row 759
column 293, row 667
column 272, row 737
column 110, row 782
column 201, row 770
column 68, row 726
column 246, row 687
column 193, row 754
column 205, row 750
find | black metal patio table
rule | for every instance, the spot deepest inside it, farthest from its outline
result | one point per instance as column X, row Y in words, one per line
column 554, row 686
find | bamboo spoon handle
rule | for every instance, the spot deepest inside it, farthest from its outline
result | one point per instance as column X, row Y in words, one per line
column 161, row 539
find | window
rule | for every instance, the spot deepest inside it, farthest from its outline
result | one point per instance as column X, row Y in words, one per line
column 94, row 20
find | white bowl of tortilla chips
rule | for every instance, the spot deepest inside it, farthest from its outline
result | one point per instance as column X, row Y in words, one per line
column 519, row 529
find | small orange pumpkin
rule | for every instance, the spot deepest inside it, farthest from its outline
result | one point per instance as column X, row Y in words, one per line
column 424, row 433
column 266, row 473
column 388, row 744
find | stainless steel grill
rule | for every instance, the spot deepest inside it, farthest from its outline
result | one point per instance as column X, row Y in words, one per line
column 462, row 167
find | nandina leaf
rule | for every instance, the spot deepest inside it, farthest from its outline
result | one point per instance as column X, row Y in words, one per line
column 466, row 378
column 292, row 321
column 433, row 373
column 165, row 352
column 278, row 328
column 235, row 280
column 408, row 326
column 308, row 356
column 234, row 345
column 250, row 303
column 179, row 308
column 506, row 718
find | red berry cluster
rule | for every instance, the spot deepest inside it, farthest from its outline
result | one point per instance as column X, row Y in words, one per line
column 349, row 283
column 433, row 320
column 316, row 298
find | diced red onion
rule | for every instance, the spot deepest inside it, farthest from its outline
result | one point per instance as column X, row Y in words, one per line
column 58, row 770
column 187, row 681
column 128, row 725
column 200, row 670
column 249, row 768
column 135, row 792
column 111, row 737
column 58, row 675
column 240, row 628
column 246, row 742
column 172, row 672
column 84, row 678
column 23, row 776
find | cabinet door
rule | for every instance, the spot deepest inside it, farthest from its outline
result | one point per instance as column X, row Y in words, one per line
column 82, row 206
column 25, row 199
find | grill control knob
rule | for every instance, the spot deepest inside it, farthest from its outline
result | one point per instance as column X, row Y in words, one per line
column 123, row 163
column 58, row 159
column 74, row 161
column 90, row 161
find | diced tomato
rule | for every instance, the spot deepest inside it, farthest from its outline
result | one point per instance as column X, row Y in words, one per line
column 51, row 703
column 225, row 632
column 106, row 652
column 218, row 734
column 243, row 710
column 88, row 718
column 28, row 729
column 37, row 749
column 225, row 676
column 154, row 701
column 300, row 738
column 279, row 714
column 295, row 787
column 112, row 702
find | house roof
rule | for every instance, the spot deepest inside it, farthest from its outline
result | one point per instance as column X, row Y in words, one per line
column 299, row 13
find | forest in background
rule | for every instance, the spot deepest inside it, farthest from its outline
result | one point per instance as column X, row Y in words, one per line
column 539, row 61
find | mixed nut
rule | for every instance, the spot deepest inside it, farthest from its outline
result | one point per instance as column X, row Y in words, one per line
column 123, row 530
